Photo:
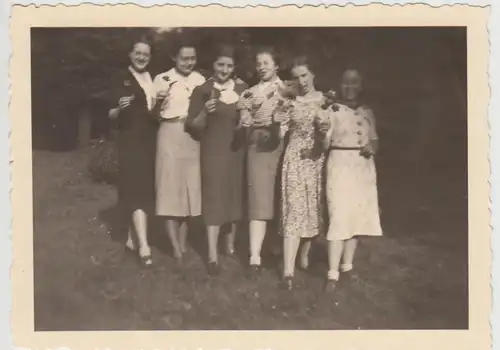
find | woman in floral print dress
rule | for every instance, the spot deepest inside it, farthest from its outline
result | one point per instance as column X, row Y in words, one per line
column 301, row 180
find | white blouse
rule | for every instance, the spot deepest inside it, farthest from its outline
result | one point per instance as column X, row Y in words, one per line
column 180, row 89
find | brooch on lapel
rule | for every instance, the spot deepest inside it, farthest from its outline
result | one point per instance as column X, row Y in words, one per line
column 127, row 83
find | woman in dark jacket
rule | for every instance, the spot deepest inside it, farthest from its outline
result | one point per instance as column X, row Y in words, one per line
column 213, row 118
column 131, row 100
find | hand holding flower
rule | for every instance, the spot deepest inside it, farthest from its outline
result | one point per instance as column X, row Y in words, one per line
column 368, row 151
column 124, row 102
column 246, row 119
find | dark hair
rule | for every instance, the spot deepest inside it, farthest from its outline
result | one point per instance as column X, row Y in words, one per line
column 301, row 60
column 362, row 93
column 141, row 40
column 181, row 44
column 224, row 50
column 270, row 51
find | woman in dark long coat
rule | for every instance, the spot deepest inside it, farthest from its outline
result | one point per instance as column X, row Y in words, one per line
column 131, row 100
column 213, row 118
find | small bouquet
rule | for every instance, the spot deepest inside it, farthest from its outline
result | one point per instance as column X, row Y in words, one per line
column 330, row 101
column 162, row 97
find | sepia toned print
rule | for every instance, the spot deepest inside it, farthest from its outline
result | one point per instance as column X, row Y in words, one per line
column 317, row 177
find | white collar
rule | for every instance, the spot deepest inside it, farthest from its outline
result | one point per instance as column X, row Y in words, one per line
column 146, row 84
column 228, row 85
column 265, row 84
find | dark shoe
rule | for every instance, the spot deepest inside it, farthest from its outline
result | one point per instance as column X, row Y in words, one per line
column 287, row 283
column 254, row 272
column 213, row 268
column 330, row 286
column 349, row 277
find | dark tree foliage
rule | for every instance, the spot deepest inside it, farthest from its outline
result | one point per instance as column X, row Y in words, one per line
column 414, row 78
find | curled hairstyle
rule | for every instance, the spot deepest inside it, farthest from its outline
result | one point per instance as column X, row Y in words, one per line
column 271, row 52
column 181, row 44
column 141, row 40
column 301, row 60
column 224, row 50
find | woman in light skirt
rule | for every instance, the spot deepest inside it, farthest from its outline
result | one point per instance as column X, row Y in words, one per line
column 351, row 179
column 178, row 182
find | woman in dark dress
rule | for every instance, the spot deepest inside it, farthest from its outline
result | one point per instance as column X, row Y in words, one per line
column 131, row 100
column 213, row 117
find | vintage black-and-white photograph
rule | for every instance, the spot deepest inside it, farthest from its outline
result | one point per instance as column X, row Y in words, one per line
column 250, row 178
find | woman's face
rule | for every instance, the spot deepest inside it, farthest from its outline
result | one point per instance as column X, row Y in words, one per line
column 140, row 56
column 350, row 85
column 185, row 61
column 303, row 78
column 223, row 69
column 266, row 67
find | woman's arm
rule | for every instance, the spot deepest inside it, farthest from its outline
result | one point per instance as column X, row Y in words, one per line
column 281, row 115
column 329, row 117
column 372, row 147
column 197, row 113
column 114, row 113
column 372, row 131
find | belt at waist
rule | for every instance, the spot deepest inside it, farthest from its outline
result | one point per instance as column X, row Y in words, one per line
column 338, row 148
column 172, row 120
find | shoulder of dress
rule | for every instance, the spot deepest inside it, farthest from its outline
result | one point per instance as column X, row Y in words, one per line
column 342, row 107
column 197, row 77
column 160, row 76
column 240, row 85
column 205, row 86
column 367, row 111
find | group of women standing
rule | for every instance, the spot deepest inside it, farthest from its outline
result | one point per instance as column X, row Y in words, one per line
column 190, row 146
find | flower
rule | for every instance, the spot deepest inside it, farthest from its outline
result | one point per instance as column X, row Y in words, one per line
column 228, row 97
column 330, row 101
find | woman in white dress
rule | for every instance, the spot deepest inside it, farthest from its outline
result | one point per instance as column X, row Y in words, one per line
column 178, row 179
column 351, row 178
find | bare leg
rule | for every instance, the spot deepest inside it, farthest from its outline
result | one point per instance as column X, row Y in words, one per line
column 290, row 248
column 182, row 238
column 172, row 227
column 131, row 242
column 335, row 249
column 213, row 238
column 304, row 253
column 257, row 235
column 348, row 257
column 230, row 239
column 140, row 222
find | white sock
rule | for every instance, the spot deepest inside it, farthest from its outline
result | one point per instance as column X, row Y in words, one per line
column 255, row 260
column 333, row 275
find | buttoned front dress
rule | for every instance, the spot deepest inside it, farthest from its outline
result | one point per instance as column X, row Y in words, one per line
column 351, row 178
column 178, row 178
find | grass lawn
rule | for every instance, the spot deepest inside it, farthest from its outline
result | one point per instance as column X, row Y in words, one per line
column 415, row 277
